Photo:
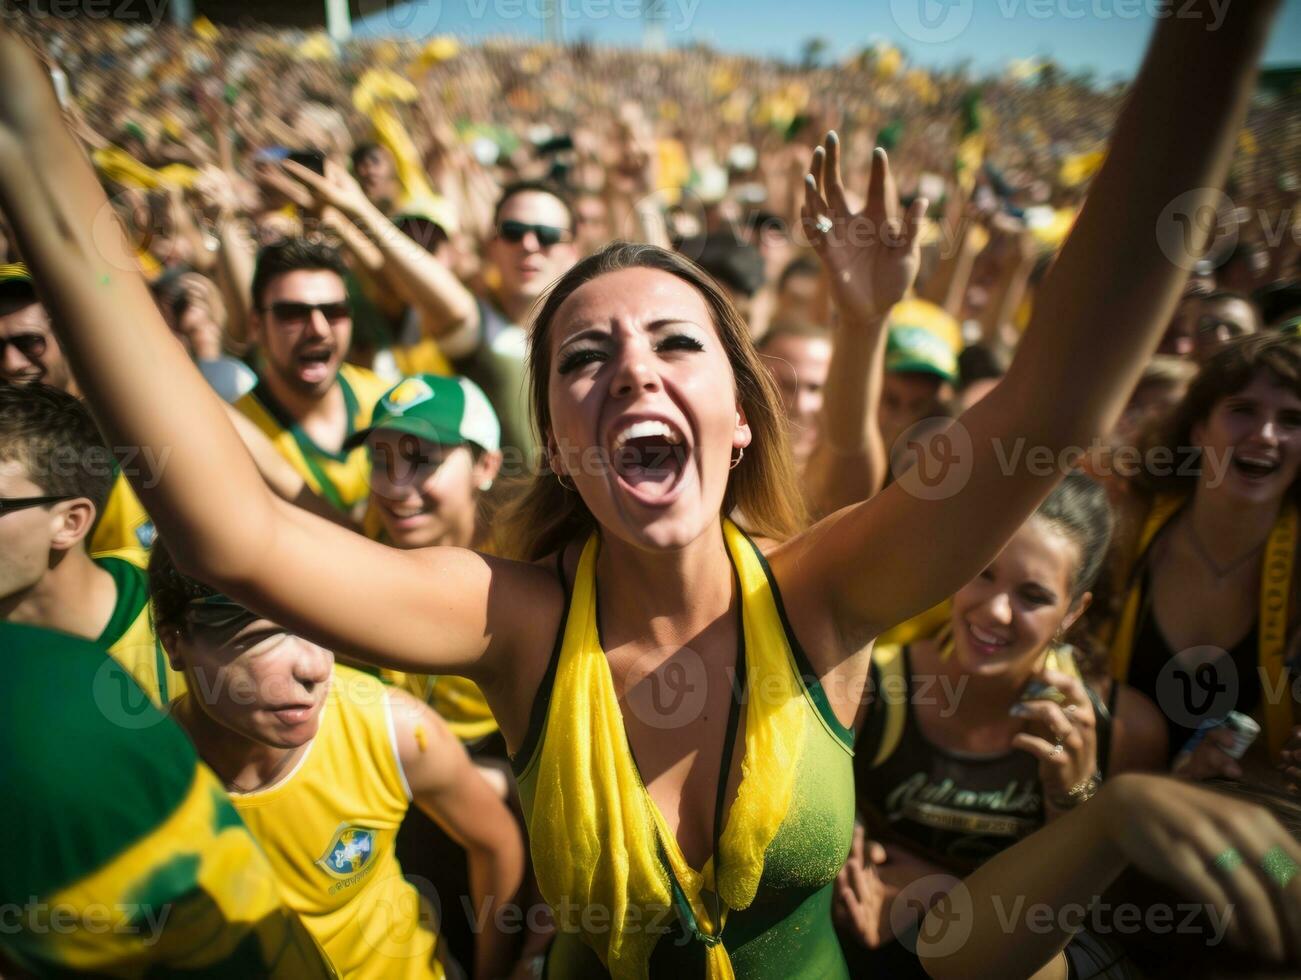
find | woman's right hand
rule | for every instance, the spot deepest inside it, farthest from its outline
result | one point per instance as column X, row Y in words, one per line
column 1228, row 853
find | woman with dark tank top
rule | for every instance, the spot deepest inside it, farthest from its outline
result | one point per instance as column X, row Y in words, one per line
column 1208, row 606
column 975, row 737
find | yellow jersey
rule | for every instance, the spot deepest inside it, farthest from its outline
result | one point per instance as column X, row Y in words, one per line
column 130, row 639
column 329, row 829
column 342, row 478
column 124, row 523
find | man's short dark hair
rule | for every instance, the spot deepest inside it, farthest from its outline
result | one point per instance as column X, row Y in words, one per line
column 534, row 187
column 293, row 255
column 734, row 264
column 16, row 294
column 801, row 265
column 52, row 436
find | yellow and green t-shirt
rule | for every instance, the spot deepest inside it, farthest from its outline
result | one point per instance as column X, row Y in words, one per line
column 329, row 829
column 124, row 523
column 342, row 478
column 125, row 857
column 129, row 635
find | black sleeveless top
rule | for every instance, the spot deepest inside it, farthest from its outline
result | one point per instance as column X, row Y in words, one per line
column 1230, row 682
column 954, row 809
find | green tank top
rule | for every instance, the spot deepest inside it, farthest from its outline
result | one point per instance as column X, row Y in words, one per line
column 787, row 930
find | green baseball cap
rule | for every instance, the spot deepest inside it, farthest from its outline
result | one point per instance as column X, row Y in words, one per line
column 916, row 349
column 448, row 411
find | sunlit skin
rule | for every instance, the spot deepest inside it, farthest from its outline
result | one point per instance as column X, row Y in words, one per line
column 15, row 367
column 25, row 535
column 301, row 358
column 799, row 365
column 258, row 682
column 640, row 344
column 1261, row 424
column 426, row 493
column 46, row 577
column 526, row 267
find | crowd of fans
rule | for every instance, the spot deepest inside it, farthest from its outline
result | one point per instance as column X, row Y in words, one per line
column 370, row 252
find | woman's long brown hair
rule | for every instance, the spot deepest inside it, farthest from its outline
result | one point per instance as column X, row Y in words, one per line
column 545, row 516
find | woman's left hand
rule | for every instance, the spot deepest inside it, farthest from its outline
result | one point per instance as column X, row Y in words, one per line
column 1063, row 737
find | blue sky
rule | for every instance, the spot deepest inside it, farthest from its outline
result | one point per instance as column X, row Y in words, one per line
column 1105, row 35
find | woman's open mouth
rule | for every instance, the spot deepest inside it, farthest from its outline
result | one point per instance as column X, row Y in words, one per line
column 649, row 458
column 1256, row 466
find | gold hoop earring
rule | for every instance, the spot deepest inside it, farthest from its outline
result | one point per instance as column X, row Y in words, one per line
column 740, row 455
column 561, row 480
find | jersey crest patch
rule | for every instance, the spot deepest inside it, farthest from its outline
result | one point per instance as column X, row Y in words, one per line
column 349, row 852
column 407, row 395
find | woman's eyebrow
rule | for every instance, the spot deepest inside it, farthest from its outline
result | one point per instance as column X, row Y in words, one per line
column 591, row 333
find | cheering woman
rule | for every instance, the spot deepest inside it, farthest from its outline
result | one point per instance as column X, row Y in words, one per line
column 677, row 693
column 1209, row 596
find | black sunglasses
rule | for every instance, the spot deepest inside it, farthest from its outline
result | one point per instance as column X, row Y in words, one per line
column 291, row 312
column 548, row 235
column 30, row 345
column 10, row 504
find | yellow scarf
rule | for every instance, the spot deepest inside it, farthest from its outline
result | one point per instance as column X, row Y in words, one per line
column 598, row 840
column 1275, row 588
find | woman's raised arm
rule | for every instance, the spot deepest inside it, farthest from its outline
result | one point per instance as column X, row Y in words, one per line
column 1098, row 317
column 220, row 520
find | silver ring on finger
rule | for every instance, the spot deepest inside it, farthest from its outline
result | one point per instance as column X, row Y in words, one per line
column 1058, row 749
column 823, row 224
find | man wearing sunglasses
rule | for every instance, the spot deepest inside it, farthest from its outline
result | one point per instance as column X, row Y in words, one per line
column 55, row 475
column 531, row 247
column 307, row 401
column 28, row 350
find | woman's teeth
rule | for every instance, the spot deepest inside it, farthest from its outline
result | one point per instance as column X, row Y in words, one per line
column 647, row 428
column 986, row 638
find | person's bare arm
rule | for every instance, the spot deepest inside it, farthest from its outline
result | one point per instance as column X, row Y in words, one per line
column 225, row 526
column 1077, row 363
column 447, row 786
column 445, row 305
column 867, row 277
column 1170, row 830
